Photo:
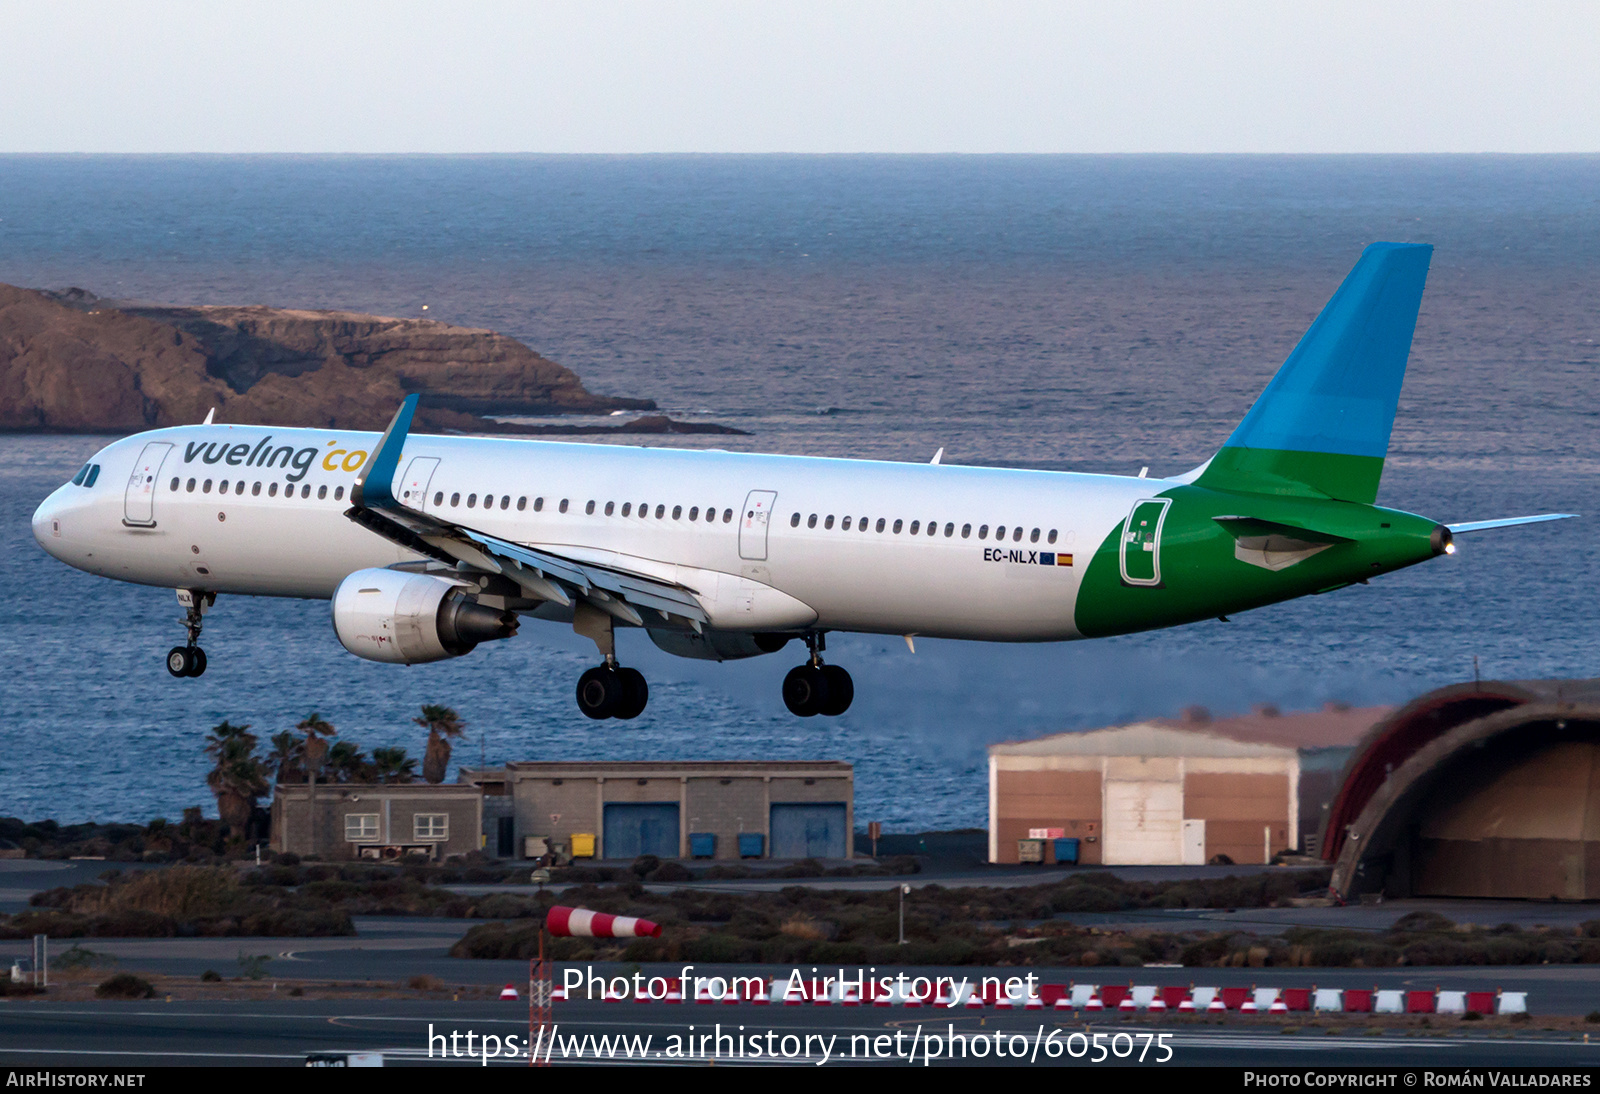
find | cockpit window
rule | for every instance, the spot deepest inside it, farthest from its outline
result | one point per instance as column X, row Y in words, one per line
column 77, row 480
column 94, row 473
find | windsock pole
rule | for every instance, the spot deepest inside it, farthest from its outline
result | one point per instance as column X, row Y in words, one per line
column 541, row 995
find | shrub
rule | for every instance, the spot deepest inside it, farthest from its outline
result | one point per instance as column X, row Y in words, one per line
column 211, row 976
column 125, row 985
column 645, row 864
column 425, row 983
column 670, row 873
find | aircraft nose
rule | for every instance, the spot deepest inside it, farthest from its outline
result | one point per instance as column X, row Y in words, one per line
column 47, row 523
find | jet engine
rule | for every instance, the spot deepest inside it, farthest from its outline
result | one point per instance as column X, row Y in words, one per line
column 390, row 615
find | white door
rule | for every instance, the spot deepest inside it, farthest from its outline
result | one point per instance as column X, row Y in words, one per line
column 414, row 487
column 1194, row 843
column 138, row 507
column 753, row 527
column 1143, row 823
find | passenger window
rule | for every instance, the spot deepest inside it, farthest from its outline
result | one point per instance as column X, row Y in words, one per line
column 1016, row 534
column 844, row 524
column 863, row 524
column 1051, row 538
column 338, row 494
column 190, row 487
column 205, row 487
column 829, row 522
column 255, row 490
column 661, row 511
column 694, row 512
column 1033, row 536
column 933, row 527
column 505, row 501
column 711, row 514
column 563, row 505
column 588, row 510
column 1000, row 532
column 322, row 492
column 611, row 507
column 438, row 497
column 914, row 526
column 174, row 486
column 472, row 500
column 305, row 491
column 222, row 487
column 538, row 505
column 272, row 489
column 949, row 530
column 522, row 503
column 627, row 507
column 983, row 531
column 727, row 515
column 880, row 524
column 811, row 521
column 455, row 499
column 897, row 528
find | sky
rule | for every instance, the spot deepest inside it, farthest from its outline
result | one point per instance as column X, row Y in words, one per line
column 816, row 76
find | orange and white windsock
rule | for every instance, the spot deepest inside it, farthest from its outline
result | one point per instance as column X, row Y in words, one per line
column 582, row 923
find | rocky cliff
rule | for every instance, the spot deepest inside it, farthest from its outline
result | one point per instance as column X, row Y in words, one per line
column 71, row 362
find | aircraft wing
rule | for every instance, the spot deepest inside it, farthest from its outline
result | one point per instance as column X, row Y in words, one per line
column 542, row 574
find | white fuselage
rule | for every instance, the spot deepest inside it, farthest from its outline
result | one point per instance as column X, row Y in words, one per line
column 163, row 516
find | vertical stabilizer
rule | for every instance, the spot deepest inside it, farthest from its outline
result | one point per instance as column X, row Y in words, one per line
column 1322, row 426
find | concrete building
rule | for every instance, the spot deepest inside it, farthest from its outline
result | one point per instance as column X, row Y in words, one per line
column 1166, row 792
column 1486, row 789
column 377, row 820
column 716, row 810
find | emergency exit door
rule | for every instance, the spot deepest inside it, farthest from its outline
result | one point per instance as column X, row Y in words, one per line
column 754, row 523
column 1141, row 542
column 138, row 506
column 414, row 487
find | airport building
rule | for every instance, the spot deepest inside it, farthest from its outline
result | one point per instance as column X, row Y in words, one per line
column 777, row 809
column 1487, row 789
column 376, row 820
column 1172, row 792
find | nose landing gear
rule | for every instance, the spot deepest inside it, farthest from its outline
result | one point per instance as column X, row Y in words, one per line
column 815, row 688
column 190, row 659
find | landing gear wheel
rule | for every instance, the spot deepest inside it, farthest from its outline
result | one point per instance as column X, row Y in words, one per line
column 197, row 661
column 805, row 690
column 179, row 662
column 600, row 692
column 841, row 690
column 635, row 693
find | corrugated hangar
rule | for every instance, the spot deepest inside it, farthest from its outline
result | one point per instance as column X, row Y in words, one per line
column 712, row 810
column 1167, row 792
column 1487, row 789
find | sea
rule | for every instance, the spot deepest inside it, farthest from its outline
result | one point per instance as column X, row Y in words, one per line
column 1079, row 313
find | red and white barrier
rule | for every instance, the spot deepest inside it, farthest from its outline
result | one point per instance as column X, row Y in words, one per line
column 582, row 923
column 508, row 992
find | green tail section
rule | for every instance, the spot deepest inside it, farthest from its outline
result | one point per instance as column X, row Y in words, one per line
column 1294, row 474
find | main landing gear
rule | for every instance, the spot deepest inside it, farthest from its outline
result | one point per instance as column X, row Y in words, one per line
column 190, row 659
column 608, row 690
column 814, row 688
column 611, row 691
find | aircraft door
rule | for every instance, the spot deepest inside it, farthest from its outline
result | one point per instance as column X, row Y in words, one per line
column 753, row 525
column 138, row 506
column 1141, row 542
column 414, row 487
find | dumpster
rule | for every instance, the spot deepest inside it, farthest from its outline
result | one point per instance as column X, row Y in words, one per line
column 1067, row 851
column 1030, row 850
column 583, row 845
column 752, row 844
column 703, row 844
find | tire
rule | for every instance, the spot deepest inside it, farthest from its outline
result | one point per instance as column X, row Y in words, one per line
column 197, row 661
column 178, row 661
column 841, row 691
column 599, row 692
column 635, row 693
column 805, row 691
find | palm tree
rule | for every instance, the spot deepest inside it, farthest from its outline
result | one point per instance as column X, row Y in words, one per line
column 238, row 777
column 285, row 758
column 443, row 725
column 347, row 763
column 315, row 753
column 392, row 765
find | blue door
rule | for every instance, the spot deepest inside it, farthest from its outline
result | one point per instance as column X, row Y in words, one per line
column 641, row 828
column 808, row 830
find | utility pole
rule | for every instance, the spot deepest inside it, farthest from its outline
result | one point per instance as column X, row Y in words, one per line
column 904, row 890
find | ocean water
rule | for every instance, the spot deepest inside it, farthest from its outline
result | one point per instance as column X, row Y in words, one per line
column 1076, row 313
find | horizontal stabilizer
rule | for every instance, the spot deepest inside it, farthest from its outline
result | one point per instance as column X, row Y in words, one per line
column 1507, row 522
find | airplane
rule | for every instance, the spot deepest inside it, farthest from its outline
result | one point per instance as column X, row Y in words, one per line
column 428, row 546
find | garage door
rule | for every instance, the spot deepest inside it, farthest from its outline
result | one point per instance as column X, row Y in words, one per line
column 641, row 828
column 1143, row 823
column 808, row 830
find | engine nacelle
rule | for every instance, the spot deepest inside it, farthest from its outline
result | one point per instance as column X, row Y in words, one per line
column 714, row 645
column 410, row 619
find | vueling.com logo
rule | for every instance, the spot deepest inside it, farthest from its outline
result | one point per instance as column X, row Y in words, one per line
column 299, row 460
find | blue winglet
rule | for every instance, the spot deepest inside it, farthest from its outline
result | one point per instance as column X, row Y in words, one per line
column 374, row 486
column 1337, row 391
